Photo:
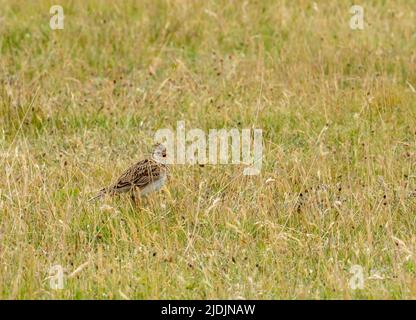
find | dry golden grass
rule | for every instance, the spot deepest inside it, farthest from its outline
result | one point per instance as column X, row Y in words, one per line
column 338, row 113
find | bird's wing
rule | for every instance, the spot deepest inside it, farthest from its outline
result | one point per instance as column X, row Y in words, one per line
column 139, row 175
column 146, row 172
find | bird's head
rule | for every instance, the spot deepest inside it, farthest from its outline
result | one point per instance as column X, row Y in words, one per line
column 159, row 152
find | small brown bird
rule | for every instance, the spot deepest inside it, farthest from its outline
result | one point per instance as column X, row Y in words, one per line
column 147, row 175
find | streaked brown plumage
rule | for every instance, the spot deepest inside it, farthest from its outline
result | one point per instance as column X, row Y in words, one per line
column 146, row 175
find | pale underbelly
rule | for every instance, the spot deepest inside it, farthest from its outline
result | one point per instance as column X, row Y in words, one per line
column 154, row 186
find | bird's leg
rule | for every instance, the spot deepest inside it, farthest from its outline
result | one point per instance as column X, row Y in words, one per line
column 139, row 198
column 133, row 198
column 136, row 200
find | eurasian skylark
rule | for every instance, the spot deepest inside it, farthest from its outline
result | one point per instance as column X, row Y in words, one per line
column 146, row 176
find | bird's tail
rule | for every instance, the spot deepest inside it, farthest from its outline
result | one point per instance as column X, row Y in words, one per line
column 100, row 194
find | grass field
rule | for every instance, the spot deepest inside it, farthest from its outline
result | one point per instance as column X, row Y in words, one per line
column 338, row 184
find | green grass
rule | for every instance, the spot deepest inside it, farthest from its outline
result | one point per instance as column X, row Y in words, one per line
column 338, row 113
